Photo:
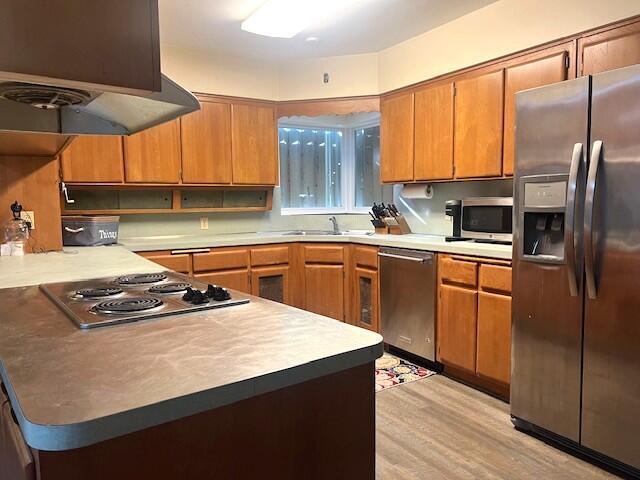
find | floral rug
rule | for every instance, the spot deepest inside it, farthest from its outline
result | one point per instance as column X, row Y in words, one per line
column 392, row 371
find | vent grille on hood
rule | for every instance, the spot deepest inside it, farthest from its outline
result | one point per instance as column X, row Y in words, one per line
column 43, row 96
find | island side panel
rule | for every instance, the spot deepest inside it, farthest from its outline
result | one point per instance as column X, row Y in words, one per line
column 316, row 430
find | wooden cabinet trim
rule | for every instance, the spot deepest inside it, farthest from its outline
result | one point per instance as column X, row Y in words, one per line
column 372, row 275
column 627, row 54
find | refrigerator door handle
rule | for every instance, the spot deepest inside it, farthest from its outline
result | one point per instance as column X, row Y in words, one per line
column 589, row 247
column 570, row 219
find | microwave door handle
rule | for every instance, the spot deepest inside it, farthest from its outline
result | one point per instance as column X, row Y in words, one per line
column 570, row 219
column 589, row 247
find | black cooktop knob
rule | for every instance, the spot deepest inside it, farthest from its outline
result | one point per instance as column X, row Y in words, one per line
column 187, row 297
column 218, row 293
column 199, row 298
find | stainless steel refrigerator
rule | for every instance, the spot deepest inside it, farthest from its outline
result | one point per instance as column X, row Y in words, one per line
column 576, row 268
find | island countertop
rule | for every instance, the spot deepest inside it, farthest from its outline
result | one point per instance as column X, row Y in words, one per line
column 71, row 388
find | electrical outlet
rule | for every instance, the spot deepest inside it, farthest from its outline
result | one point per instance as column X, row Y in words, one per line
column 29, row 216
column 204, row 223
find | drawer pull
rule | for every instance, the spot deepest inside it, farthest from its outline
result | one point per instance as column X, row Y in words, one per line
column 190, row 250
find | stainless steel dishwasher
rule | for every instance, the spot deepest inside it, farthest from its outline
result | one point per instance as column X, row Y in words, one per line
column 407, row 300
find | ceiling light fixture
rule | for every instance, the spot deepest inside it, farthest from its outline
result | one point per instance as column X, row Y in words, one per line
column 287, row 18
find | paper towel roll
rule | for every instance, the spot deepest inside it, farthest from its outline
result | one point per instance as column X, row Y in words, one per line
column 417, row 190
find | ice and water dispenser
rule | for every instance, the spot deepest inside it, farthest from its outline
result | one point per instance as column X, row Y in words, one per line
column 542, row 207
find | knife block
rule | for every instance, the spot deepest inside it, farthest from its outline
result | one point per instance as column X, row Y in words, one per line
column 397, row 225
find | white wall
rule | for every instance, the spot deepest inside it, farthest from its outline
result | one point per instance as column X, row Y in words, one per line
column 498, row 29
column 208, row 72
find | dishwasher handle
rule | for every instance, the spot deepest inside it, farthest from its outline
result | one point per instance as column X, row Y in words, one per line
column 403, row 257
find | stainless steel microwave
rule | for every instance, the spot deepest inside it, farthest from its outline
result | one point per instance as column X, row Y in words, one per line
column 488, row 218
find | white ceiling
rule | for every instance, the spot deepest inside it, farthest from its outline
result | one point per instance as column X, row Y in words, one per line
column 366, row 26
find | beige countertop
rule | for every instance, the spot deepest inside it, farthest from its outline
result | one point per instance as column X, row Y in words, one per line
column 73, row 263
column 432, row 243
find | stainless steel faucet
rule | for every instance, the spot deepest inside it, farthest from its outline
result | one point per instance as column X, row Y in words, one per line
column 334, row 220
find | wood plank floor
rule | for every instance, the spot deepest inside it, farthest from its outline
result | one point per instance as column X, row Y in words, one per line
column 437, row 428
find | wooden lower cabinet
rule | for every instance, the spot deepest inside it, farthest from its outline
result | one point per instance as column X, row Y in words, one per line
column 458, row 309
column 474, row 320
column 494, row 337
column 366, row 298
column 271, row 283
column 177, row 262
column 233, row 279
column 324, row 290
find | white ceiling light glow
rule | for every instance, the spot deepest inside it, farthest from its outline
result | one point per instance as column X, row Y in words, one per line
column 287, row 18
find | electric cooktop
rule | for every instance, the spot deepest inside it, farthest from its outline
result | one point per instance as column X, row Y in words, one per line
column 130, row 298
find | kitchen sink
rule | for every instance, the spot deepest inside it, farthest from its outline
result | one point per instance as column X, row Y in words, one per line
column 327, row 232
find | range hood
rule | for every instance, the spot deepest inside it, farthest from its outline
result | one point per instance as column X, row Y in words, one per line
column 39, row 108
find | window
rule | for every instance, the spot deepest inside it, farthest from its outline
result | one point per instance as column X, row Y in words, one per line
column 327, row 167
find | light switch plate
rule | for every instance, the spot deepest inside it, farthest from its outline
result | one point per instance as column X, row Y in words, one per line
column 29, row 216
column 204, row 223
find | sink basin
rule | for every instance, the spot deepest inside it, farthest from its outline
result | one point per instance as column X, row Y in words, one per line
column 327, row 232
column 313, row 232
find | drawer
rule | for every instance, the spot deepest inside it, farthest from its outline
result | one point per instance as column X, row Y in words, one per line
column 365, row 256
column 494, row 277
column 276, row 255
column 221, row 259
column 323, row 254
column 179, row 263
column 458, row 271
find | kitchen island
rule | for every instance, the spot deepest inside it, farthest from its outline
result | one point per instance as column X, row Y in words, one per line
column 260, row 390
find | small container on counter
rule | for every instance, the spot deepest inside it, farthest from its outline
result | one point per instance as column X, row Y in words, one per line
column 89, row 231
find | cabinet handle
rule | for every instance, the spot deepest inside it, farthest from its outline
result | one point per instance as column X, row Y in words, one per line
column 190, row 250
column 403, row 257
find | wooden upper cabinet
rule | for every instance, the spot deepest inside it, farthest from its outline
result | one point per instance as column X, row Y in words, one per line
column 153, row 155
column 254, row 136
column 112, row 44
column 93, row 159
column 478, row 126
column 608, row 50
column 396, row 138
column 206, row 144
column 536, row 73
column 433, row 151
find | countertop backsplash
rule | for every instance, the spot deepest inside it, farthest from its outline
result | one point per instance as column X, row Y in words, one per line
column 427, row 216
column 424, row 216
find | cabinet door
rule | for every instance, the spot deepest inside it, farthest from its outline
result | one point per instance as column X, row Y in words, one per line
column 93, row 159
column 206, row 144
column 478, row 126
column 153, row 155
column 271, row 283
column 366, row 301
column 457, row 327
column 254, row 137
column 233, row 279
column 396, row 139
column 494, row 337
column 536, row 73
column 324, row 290
column 434, row 133
column 615, row 48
